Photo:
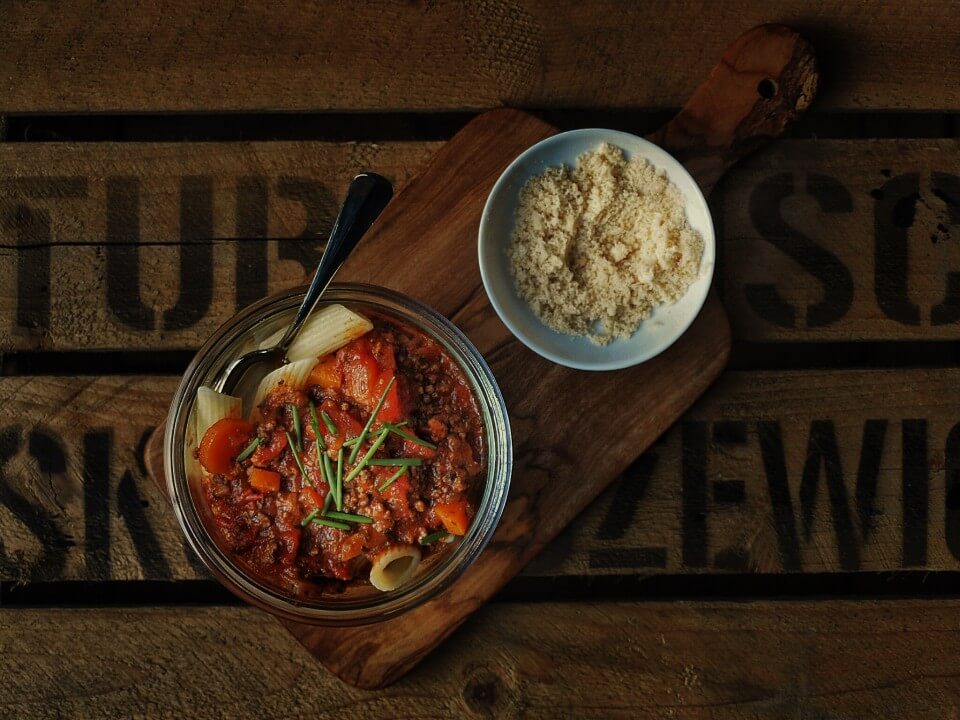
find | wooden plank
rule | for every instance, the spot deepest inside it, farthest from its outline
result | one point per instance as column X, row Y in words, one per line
column 121, row 245
column 189, row 56
column 839, row 236
column 846, row 241
column 768, row 473
column 837, row 659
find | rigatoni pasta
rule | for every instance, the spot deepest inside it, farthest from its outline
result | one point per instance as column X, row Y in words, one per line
column 212, row 406
column 292, row 375
column 327, row 329
column 392, row 567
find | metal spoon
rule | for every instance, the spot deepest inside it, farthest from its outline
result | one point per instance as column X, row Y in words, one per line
column 366, row 198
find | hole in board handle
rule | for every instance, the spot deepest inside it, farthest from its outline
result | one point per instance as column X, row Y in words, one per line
column 767, row 88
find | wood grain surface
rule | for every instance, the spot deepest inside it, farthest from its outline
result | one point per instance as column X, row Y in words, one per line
column 549, row 485
column 729, row 661
column 188, row 56
column 837, row 253
column 121, row 246
column 820, row 221
column 769, row 473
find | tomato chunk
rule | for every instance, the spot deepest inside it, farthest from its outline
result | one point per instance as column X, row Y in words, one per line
column 412, row 449
column 222, row 442
column 360, row 372
column 271, row 450
column 310, row 499
column 263, row 480
column 453, row 515
column 347, row 425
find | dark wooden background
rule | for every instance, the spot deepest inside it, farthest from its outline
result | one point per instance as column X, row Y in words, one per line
column 790, row 549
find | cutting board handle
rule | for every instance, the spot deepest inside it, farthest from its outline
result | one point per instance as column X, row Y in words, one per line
column 764, row 80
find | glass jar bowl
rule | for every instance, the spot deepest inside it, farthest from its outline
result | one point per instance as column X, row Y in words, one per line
column 358, row 604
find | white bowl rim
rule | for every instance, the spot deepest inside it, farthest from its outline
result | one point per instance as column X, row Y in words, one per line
column 618, row 138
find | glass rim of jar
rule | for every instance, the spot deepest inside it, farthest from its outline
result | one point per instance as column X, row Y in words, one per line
column 221, row 347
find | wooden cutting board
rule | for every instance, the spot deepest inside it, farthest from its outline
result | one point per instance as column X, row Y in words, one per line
column 573, row 431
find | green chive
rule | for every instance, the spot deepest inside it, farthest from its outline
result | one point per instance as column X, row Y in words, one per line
column 396, row 462
column 248, row 450
column 315, row 424
column 308, row 518
column 432, row 537
column 328, row 472
column 339, row 497
column 296, row 457
column 321, row 456
column 297, row 429
column 327, row 502
column 356, row 441
column 371, row 419
column 395, row 429
column 328, row 421
column 393, row 479
column 350, row 517
column 330, row 523
column 366, row 458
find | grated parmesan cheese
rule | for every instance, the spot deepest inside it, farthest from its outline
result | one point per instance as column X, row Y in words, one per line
column 596, row 247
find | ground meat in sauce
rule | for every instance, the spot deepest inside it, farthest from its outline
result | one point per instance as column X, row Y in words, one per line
column 262, row 529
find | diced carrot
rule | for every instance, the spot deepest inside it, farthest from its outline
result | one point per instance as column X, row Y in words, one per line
column 222, row 442
column 327, row 373
column 263, row 480
column 453, row 515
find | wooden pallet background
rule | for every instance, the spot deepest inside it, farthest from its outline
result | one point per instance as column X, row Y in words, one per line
column 791, row 548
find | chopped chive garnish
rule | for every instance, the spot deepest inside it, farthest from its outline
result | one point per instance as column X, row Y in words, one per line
column 351, row 442
column 366, row 458
column 432, row 537
column 371, row 419
column 339, row 497
column 328, row 473
column 324, row 467
column 315, row 424
column 330, row 523
column 396, row 462
column 248, row 450
column 393, row 479
column 296, row 457
column 297, row 429
column 395, row 429
column 308, row 518
column 328, row 421
column 349, row 517
column 327, row 502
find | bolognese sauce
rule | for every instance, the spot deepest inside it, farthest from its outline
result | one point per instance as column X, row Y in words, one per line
column 382, row 447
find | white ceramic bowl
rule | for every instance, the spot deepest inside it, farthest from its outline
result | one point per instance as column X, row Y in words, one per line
column 661, row 329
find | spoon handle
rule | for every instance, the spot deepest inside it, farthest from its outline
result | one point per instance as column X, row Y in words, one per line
column 366, row 198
